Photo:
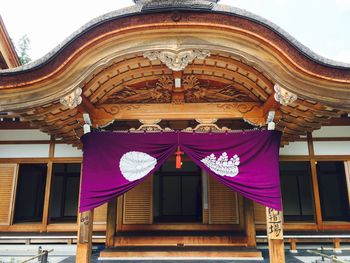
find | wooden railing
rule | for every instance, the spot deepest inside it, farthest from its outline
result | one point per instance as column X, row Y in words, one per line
column 331, row 257
column 42, row 256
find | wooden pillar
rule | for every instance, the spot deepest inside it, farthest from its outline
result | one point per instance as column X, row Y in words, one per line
column 46, row 208
column 249, row 222
column 274, row 227
column 293, row 246
column 336, row 244
column 316, row 193
column 111, row 222
column 84, row 244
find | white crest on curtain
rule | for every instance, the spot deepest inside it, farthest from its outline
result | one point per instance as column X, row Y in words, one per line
column 223, row 165
column 135, row 165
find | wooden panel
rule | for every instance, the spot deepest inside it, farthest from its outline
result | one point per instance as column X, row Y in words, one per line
column 138, row 204
column 100, row 214
column 7, row 179
column 223, row 204
column 260, row 213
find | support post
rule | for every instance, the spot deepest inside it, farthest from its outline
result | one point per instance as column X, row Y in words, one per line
column 46, row 208
column 85, row 219
column 274, row 227
column 249, row 222
column 111, row 222
column 293, row 246
column 274, row 218
column 316, row 193
column 84, row 243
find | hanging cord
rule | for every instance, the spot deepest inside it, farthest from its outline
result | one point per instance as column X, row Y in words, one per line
column 178, row 153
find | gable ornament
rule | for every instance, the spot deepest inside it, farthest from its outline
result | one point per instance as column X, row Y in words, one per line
column 176, row 61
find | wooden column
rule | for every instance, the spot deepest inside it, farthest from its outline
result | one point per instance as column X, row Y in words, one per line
column 274, row 229
column 46, row 208
column 111, row 222
column 249, row 222
column 84, row 244
column 316, row 193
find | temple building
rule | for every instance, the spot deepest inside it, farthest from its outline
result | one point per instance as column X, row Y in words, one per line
column 191, row 66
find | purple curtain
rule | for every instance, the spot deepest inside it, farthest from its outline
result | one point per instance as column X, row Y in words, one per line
column 246, row 162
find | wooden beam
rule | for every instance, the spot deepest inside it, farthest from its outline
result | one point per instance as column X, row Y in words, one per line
column 10, row 125
column 111, row 222
column 344, row 121
column 249, row 222
column 86, row 106
column 168, row 111
column 270, row 104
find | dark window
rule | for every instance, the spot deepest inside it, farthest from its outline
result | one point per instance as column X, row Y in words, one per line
column 177, row 193
column 64, row 192
column 296, row 187
column 333, row 191
column 30, row 193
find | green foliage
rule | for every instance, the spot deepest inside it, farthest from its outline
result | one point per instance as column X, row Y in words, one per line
column 23, row 46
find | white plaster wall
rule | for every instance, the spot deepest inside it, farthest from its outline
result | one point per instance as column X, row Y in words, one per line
column 65, row 150
column 24, row 150
column 23, row 135
column 332, row 131
column 295, row 148
column 332, row 148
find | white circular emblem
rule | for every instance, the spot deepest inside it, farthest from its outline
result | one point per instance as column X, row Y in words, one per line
column 135, row 165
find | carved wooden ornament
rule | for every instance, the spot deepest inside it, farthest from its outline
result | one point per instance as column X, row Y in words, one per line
column 176, row 61
column 73, row 99
column 283, row 96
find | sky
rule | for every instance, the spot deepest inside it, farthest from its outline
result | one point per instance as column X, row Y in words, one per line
column 321, row 25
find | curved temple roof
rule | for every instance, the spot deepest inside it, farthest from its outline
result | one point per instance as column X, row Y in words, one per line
column 105, row 58
column 180, row 5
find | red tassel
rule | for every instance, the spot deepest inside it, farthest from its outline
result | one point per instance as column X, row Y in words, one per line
column 178, row 158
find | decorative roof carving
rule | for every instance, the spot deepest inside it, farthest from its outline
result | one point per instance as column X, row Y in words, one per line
column 160, row 4
column 176, row 61
column 73, row 99
column 197, row 91
column 159, row 92
column 283, row 96
column 194, row 90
